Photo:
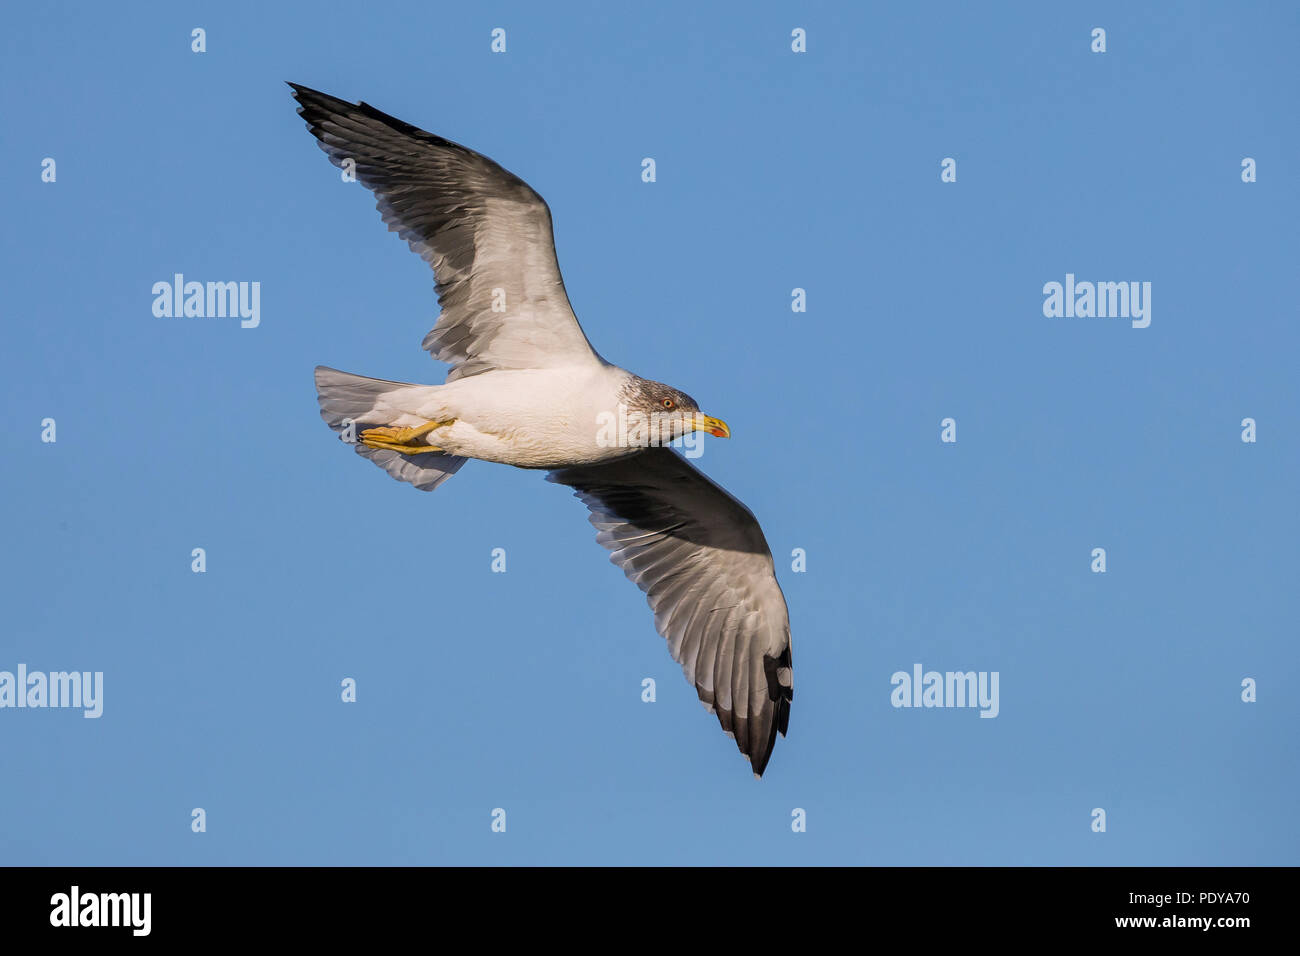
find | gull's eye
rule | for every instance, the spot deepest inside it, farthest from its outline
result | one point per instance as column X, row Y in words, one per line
column 668, row 403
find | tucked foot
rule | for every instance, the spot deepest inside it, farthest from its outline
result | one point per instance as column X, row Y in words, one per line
column 401, row 439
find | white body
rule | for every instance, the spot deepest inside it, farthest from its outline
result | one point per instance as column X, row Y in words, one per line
column 531, row 418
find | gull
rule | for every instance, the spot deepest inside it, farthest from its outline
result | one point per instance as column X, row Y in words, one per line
column 527, row 389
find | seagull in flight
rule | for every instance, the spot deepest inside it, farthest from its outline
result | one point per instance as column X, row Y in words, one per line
column 527, row 389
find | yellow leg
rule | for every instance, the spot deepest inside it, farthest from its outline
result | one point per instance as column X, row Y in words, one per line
column 404, row 449
column 401, row 439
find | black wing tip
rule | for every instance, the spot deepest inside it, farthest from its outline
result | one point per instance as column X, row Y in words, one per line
column 307, row 97
column 759, row 759
column 315, row 107
column 322, row 105
column 781, row 696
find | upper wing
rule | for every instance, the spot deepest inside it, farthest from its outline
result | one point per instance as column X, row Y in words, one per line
column 486, row 234
column 702, row 560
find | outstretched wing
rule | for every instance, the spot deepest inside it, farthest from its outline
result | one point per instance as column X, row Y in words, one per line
column 702, row 560
column 484, row 231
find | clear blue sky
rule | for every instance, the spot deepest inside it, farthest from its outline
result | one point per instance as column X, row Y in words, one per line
column 775, row 170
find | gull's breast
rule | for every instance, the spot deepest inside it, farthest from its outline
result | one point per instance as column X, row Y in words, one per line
column 533, row 418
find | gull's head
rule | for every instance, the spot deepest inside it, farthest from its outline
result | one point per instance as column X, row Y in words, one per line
column 676, row 412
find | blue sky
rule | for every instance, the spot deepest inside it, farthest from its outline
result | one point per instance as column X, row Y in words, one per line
column 775, row 171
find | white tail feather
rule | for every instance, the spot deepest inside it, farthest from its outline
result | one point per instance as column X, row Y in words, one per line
column 351, row 403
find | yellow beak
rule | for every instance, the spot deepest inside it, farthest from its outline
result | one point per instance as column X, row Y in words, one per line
column 714, row 426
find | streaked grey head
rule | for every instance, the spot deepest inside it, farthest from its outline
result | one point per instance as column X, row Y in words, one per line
column 649, row 397
column 676, row 412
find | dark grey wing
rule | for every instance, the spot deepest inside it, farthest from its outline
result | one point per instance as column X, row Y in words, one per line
column 484, row 231
column 702, row 560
